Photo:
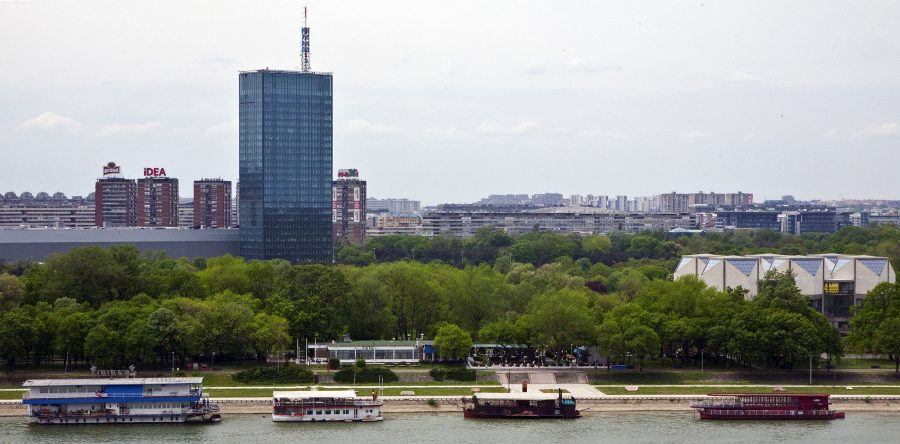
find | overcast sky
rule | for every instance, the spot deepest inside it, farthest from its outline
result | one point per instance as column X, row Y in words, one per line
column 448, row 101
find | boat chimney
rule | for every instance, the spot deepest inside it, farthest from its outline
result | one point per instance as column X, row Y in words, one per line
column 524, row 387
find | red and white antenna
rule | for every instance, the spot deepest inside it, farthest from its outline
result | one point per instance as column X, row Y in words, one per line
column 304, row 45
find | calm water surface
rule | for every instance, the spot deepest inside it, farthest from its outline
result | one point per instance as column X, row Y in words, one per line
column 612, row 427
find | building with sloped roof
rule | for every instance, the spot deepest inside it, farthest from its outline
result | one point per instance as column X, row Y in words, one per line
column 833, row 282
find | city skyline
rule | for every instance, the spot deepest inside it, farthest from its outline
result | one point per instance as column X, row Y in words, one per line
column 577, row 100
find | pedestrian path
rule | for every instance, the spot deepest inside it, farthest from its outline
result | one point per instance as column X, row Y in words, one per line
column 579, row 391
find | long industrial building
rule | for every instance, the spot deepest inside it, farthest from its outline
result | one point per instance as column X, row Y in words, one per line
column 833, row 282
column 37, row 245
column 558, row 219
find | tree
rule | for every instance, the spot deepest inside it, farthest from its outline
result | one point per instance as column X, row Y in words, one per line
column 305, row 295
column 270, row 333
column 15, row 328
column 452, row 342
column 366, row 310
column 225, row 273
column 474, row 296
column 102, row 346
column 503, row 332
column 874, row 326
column 12, row 292
column 161, row 327
column 888, row 340
column 560, row 318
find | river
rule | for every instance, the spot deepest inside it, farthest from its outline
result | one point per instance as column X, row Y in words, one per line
column 438, row 428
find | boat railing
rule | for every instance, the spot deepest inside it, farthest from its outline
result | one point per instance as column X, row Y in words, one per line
column 103, row 395
column 708, row 404
column 732, row 412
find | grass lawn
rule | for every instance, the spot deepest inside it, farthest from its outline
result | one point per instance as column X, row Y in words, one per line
column 702, row 390
column 865, row 363
column 388, row 391
column 11, row 395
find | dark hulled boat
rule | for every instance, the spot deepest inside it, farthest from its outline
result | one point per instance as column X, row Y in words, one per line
column 766, row 406
column 526, row 405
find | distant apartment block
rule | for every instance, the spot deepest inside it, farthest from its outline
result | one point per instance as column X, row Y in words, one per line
column 114, row 199
column 186, row 213
column 47, row 217
column 833, row 282
column 389, row 223
column 212, row 203
column 157, row 202
column 348, row 196
column 690, row 202
column 506, row 199
column 391, row 205
column 584, row 220
column 547, row 199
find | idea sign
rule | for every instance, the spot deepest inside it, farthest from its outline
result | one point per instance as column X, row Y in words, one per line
column 154, row 172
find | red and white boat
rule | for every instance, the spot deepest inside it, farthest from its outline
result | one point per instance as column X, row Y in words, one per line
column 321, row 405
column 766, row 406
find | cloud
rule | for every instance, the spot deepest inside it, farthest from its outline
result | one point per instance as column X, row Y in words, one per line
column 445, row 131
column 362, row 127
column 599, row 134
column 535, row 68
column 488, row 128
column 116, row 129
column 572, row 64
column 226, row 128
column 693, row 136
column 831, row 132
column 749, row 136
column 741, row 76
column 578, row 64
column 523, row 127
column 884, row 129
column 495, row 129
column 50, row 121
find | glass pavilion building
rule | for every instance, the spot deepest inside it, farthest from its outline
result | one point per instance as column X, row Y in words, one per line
column 286, row 165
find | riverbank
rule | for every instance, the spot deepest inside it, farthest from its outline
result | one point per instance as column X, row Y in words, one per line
column 398, row 405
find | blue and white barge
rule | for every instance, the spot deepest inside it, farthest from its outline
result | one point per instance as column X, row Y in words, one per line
column 118, row 400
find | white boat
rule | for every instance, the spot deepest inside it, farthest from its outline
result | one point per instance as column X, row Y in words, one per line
column 118, row 400
column 324, row 405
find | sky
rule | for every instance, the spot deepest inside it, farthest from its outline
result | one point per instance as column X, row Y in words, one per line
column 451, row 101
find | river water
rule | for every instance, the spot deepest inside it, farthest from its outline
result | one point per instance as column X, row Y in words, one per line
column 450, row 428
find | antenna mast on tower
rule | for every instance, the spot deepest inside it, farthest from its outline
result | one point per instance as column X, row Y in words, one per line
column 304, row 45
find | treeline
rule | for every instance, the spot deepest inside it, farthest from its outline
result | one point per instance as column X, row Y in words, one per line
column 538, row 248
column 112, row 307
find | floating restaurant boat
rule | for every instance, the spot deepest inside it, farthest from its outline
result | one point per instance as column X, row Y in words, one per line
column 525, row 405
column 766, row 406
column 321, row 405
column 118, row 400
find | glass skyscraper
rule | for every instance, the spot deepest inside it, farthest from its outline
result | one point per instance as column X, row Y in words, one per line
column 285, row 165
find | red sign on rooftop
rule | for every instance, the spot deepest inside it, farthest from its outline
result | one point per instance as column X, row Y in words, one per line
column 154, row 172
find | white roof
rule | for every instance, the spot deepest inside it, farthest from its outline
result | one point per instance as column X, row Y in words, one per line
column 109, row 381
column 307, row 394
column 527, row 396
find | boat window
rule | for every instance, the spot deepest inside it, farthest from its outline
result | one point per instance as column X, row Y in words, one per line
column 309, row 412
column 327, row 412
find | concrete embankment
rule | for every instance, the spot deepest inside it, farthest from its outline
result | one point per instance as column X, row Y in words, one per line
column 452, row 404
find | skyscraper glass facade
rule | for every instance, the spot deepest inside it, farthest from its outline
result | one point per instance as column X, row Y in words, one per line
column 286, row 165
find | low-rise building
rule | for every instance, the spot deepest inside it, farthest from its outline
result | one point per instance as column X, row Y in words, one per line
column 374, row 352
column 585, row 220
column 38, row 244
column 47, row 217
column 833, row 282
